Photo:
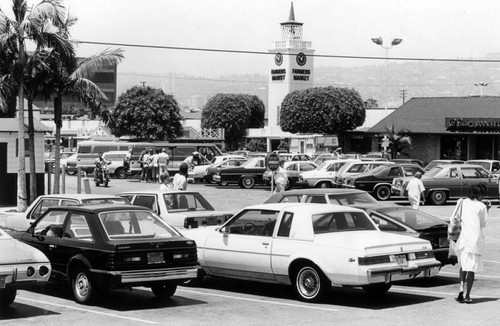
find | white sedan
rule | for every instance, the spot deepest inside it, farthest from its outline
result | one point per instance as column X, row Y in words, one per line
column 311, row 247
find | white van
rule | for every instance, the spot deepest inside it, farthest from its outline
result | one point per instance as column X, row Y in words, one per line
column 88, row 151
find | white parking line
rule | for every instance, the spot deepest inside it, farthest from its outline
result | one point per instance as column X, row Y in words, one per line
column 405, row 289
column 491, row 261
column 477, row 276
column 90, row 311
column 260, row 301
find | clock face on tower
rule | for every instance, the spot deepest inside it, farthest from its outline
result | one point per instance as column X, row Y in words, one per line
column 278, row 59
column 301, row 59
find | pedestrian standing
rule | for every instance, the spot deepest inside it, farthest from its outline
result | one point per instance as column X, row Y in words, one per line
column 180, row 178
column 416, row 189
column 155, row 168
column 144, row 158
column 163, row 162
column 149, row 164
column 166, row 182
column 280, row 178
column 470, row 243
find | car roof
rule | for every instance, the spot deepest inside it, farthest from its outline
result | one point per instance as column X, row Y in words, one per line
column 78, row 196
column 321, row 191
column 157, row 192
column 488, row 161
column 305, row 208
column 99, row 208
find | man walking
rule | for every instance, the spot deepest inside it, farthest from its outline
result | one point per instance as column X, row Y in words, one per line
column 415, row 189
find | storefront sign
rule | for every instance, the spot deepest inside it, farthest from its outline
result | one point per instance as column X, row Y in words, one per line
column 472, row 124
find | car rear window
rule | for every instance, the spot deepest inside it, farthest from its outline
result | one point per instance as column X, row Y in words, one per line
column 341, row 222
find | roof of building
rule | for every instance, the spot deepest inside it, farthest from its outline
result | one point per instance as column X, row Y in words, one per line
column 11, row 124
column 191, row 115
column 428, row 114
column 372, row 117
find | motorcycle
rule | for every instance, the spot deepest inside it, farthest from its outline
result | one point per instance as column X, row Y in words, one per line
column 101, row 174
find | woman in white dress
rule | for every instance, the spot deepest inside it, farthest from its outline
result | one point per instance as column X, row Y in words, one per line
column 470, row 243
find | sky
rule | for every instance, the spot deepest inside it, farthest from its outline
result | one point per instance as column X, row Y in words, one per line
column 429, row 29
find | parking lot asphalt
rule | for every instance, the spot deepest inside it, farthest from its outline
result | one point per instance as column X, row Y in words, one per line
column 230, row 302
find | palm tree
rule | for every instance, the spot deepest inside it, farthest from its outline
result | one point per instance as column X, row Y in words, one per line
column 398, row 141
column 74, row 80
column 39, row 25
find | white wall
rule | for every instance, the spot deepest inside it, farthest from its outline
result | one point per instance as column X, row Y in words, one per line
column 12, row 160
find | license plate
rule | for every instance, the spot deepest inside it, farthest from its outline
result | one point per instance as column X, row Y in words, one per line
column 401, row 260
column 444, row 242
column 2, row 282
column 155, row 258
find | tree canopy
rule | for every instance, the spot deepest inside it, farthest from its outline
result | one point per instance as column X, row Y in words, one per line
column 325, row 110
column 235, row 113
column 148, row 113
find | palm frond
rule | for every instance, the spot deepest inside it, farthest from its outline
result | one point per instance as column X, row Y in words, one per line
column 53, row 9
column 90, row 65
column 87, row 88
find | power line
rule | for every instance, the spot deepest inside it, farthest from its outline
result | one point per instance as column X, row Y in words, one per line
column 163, row 47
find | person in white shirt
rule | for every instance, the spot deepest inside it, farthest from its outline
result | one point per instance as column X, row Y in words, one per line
column 154, row 164
column 280, row 178
column 162, row 162
column 180, row 179
column 166, row 182
column 416, row 190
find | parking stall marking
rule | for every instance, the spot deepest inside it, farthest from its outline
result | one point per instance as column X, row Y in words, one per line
column 88, row 310
column 405, row 289
column 477, row 276
column 258, row 300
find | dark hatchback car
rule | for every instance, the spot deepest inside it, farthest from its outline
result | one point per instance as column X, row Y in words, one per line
column 389, row 217
column 113, row 246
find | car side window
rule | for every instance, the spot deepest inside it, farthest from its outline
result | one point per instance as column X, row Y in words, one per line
column 292, row 167
column 307, row 167
column 473, row 173
column 254, row 223
column 69, row 202
column 316, row 199
column 290, row 199
column 146, row 201
column 386, row 225
column 42, row 206
column 77, row 228
column 395, row 172
column 285, row 225
column 454, row 173
column 51, row 224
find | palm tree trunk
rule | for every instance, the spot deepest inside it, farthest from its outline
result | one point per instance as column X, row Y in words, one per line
column 57, row 150
column 31, row 133
column 21, row 172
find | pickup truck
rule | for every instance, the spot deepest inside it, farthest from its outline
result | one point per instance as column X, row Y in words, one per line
column 181, row 209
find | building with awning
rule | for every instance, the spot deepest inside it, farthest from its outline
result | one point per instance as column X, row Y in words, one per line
column 447, row 127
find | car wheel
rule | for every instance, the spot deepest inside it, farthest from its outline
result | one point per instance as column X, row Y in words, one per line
column 323, row 184
column 382, row 193
column 438, row 197
column 71, row 172
column 377, row 289
column 121, row 173
column 247, row 182
column 7, row 296
column 195, row 281
column 164, row 290
column 309, row 284
column 83, row 289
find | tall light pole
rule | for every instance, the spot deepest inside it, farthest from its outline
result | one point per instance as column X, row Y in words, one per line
column 394, row 42
column 481, row 85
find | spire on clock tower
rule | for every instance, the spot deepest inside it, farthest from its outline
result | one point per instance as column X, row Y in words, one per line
column 291, row 33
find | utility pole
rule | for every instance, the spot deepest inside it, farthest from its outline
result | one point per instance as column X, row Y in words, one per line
column 403, row 93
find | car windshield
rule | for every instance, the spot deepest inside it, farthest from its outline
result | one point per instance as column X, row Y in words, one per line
column 97, row 201
column 140, row 224
column 351, row 198
column 181, row 202
column 341, row 222
column 433, row 172
column 416, row 219
column 254, row 162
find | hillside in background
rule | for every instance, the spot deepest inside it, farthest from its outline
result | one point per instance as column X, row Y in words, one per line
column 418, row 79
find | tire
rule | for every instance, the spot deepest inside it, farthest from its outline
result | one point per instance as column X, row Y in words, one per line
column 223, row 183
column 121, row 173
column 438, row 197
column 309, row 284
column 382, row 192
column 164, row 290
column 72, row 172
column 377, row 289
column 82, row 286
column 7, row 297
column 247, row 182
column 323, row 184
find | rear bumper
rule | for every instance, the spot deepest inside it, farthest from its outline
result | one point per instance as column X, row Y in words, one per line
column 17, row 275
column 413, row 271
column 136, row 277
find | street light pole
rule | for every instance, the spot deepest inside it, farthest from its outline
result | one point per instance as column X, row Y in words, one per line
column 481, row 85
column 394, row 42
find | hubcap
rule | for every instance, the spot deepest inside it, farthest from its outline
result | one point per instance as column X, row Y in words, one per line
column 308, row 282
column 82, row 285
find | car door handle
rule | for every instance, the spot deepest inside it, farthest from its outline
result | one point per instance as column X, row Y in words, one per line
column 265, row 243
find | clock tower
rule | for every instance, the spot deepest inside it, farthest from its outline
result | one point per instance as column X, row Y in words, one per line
column 291, row 67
